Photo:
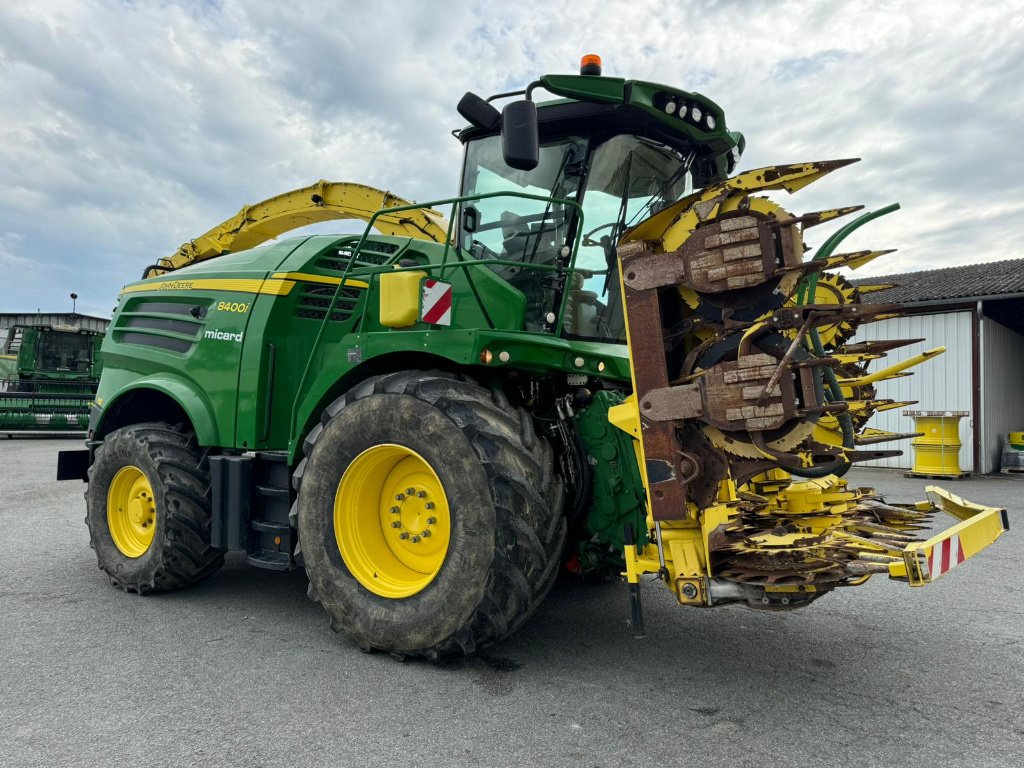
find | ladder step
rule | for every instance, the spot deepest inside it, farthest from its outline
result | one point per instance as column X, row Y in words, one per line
column 269, row 490
column 274, row 561
column 263, row 526
column 277, row 457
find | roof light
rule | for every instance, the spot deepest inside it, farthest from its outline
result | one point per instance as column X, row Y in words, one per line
column 711, row 122
column 590, row 64
column 695, row 113
column 670, row 108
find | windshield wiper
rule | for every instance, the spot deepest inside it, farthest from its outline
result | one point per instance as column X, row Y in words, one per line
column 666, row 187
column 559, row 177
column 619, row 228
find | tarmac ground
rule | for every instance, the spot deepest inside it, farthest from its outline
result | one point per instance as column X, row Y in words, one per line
column 243, row 670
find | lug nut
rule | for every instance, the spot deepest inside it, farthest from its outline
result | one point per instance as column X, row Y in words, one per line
column 399, row 497
column 421, row 494
column 425, row 534
column 429, row 505
column 403, row 535
column 415, row 539
column 431, row 520
column 396, row 524
column 395, row 510
column 410, row 491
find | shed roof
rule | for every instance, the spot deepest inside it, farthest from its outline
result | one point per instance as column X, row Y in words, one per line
column 991, row 279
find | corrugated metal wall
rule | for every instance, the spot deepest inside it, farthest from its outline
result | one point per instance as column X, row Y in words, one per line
column 940, row 384
column 1002, row 377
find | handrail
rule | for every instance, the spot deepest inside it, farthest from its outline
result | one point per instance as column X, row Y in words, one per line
column 453, row 202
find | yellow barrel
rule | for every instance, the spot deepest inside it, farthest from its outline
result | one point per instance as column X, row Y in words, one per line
column 937, row 451
column 1016, row 440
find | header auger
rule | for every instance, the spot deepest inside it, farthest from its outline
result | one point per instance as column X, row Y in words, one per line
column 605, row 355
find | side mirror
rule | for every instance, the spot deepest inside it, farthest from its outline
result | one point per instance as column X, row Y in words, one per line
column 520, row 135
column 470, row 219
column 478, row 112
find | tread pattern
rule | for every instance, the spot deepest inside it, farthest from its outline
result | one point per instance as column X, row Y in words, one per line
column 184, row 553
column 528, row 499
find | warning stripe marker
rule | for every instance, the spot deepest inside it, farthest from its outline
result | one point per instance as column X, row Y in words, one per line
column 945, row 555
column 437, row 303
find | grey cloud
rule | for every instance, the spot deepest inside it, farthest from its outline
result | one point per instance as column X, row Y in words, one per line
column 128, row 128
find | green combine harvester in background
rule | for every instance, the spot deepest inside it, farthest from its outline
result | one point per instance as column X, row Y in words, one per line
column 608, row 354
column 48, row 379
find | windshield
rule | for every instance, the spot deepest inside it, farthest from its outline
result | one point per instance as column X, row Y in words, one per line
column 518, row 229
column 630, row 179
column 556, row 175
column 59, row 351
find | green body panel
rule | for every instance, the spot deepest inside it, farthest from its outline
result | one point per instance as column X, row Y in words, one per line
column 618, row 488
column 178, row 340
column 183, row 389
column 238, row 373
column 645, row 95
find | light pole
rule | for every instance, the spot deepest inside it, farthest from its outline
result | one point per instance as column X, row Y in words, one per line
column 74, row 301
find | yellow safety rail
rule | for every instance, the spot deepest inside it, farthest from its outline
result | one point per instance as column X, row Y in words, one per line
column 979, row 527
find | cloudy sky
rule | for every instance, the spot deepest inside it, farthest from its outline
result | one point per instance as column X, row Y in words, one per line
column 129, row 127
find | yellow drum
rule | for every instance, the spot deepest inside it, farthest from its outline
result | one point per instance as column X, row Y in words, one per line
column 937, row 450
column 1016, row 440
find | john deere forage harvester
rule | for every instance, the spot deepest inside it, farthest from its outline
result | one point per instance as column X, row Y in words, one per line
column 611, row 354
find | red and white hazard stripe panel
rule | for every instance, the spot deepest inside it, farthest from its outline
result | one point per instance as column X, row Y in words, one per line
column 437, row 303
column 945, row 555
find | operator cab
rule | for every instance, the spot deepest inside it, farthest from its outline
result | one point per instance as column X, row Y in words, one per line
column 591, row 167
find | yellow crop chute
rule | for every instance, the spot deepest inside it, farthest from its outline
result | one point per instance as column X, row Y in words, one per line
column 323, row 201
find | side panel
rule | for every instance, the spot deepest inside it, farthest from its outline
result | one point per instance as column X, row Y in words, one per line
column 942, row 384
column 281, row 337
column 183, row 334
column 283, row 328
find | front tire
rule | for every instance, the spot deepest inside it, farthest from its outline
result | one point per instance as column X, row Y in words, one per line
column 495, row 528
column 148, row 509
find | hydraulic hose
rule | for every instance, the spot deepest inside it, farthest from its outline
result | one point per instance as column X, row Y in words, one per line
column 834, row 393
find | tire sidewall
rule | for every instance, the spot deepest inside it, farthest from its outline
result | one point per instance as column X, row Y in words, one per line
column 122, row 449
column 429, row 617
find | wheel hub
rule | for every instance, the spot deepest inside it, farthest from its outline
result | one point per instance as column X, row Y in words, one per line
column 392, row 521
column 131, row 512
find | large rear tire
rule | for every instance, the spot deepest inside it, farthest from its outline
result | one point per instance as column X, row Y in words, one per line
column 148, row 509
column 459, row 472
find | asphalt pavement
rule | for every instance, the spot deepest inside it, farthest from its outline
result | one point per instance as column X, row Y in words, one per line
column 243, row 669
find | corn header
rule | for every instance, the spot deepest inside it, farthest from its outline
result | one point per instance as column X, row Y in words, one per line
column 605, row 354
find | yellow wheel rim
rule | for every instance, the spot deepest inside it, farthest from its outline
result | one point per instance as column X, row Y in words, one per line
column 391, row 521
column 131, row 512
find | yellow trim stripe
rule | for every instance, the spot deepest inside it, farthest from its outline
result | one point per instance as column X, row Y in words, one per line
column 280, row 284
column 273, row 287
column 308, row 278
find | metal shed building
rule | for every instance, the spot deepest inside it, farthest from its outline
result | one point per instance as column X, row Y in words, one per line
column 977, row 313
